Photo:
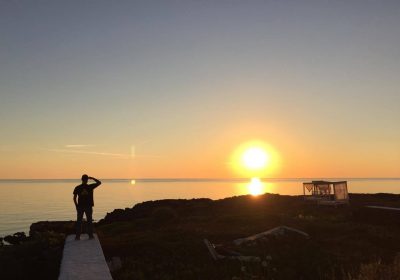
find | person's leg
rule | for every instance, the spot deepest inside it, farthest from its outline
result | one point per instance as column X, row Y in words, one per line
column 89, row 218
column 78, row 226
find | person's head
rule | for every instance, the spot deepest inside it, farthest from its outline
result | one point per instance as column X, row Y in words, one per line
column 85, row 178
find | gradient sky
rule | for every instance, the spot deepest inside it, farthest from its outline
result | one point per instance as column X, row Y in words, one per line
column 133, row 89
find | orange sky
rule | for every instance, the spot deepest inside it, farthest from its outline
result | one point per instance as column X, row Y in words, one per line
column 305, row 157
column 144, row 89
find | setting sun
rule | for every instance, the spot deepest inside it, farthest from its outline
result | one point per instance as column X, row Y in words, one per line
column 255, row 158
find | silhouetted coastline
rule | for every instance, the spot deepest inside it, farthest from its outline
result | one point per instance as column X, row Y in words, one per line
column 163, row 239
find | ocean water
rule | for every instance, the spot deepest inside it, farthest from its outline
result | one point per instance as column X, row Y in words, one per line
column 23, row 202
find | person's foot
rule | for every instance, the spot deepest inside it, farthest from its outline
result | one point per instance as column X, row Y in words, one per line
column 77, row 238
column 91, row 237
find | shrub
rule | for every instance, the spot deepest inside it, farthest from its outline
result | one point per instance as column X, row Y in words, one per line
column 163, row 215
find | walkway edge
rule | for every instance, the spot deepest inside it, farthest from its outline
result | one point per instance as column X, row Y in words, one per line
column 83, row 259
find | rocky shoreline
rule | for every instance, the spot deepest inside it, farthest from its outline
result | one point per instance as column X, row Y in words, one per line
column 164, row 240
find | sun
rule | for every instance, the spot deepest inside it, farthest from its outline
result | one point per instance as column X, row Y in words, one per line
column 255, row 158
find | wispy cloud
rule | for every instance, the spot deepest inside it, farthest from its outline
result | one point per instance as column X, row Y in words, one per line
column 78, row 146
column 81, row 149
column 68, row 151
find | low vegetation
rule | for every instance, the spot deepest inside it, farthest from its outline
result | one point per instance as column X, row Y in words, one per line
column 34, row 257
column 164, row 240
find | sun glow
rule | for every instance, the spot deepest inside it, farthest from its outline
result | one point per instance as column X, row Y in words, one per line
column 255, row 159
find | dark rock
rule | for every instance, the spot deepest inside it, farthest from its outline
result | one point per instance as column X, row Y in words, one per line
column 65, row 227
column 16, row 238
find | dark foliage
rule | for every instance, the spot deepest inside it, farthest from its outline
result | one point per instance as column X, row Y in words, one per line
column 33, row 258
column 16, row 238
column 163, row 239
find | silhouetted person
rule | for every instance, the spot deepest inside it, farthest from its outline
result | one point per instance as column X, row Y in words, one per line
column 85, row 204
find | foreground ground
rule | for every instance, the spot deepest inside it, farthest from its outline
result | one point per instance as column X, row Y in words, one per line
column 164, row 240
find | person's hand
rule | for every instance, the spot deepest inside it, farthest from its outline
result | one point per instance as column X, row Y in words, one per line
column 89, row 178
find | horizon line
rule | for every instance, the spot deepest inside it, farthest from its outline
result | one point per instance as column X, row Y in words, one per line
column 204, row 178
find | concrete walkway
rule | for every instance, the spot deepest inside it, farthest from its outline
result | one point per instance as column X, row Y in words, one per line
column 83, row 259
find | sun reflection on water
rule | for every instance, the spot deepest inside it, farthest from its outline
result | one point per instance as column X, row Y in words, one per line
column 256, row 186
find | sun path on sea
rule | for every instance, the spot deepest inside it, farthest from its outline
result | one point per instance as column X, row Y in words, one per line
column 83, row 259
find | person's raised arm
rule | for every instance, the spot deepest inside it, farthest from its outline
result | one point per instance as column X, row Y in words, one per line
column 97, row 182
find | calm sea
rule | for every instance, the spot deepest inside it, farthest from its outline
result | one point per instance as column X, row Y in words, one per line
column 23, row 202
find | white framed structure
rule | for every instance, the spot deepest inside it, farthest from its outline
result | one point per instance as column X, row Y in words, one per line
column 326, row 193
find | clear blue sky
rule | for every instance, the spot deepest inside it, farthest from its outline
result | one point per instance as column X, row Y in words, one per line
column 171, row 88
